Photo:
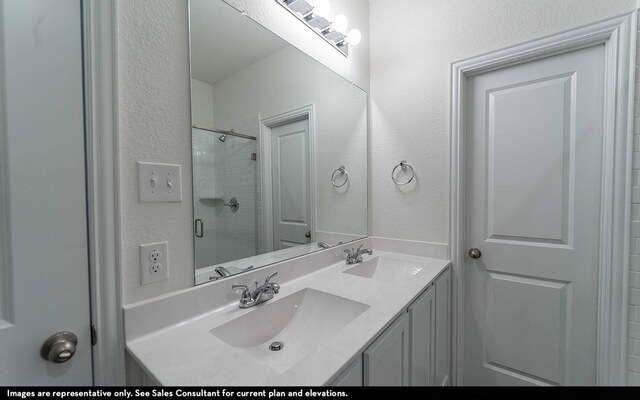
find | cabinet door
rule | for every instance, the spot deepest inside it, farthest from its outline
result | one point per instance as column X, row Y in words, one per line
column 422, row 317
column 386, row 361
column 443, row 329
column 351, row 376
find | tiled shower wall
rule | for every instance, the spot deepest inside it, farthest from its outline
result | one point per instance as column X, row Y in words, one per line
column 235, row 176
column 633, row 341
column 225, row 170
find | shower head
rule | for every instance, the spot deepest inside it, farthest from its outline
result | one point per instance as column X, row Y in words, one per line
column 222, row 138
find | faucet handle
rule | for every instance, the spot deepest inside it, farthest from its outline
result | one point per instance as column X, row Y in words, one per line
column 274, row 286
column 270, row 276
column 241, row 289
column 349, row 252
column 359, row 248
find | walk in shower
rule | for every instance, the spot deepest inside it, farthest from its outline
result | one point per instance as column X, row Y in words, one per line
column 225, row 193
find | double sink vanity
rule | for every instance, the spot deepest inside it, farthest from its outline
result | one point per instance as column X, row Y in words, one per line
column 280, row 182
column 384, row 319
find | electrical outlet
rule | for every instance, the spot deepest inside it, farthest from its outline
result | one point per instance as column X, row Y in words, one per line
column 154, row 256
column 155, row 268
column 154, row 262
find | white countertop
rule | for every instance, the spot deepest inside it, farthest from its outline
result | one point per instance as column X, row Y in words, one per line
column 187, row 353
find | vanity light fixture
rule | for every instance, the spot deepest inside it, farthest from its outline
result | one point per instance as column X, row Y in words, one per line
column 315, row 14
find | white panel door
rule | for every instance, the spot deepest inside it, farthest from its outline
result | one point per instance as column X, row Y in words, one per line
column 533, row 189
column 44, row 258
column 291, row 184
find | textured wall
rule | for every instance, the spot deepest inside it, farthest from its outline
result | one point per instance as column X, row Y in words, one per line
column 155, row 126
column 412, row 47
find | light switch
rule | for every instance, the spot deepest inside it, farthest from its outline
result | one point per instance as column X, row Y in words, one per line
column 159, row 183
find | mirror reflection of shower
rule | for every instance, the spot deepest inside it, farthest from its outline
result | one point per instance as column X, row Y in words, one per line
column 225, row 192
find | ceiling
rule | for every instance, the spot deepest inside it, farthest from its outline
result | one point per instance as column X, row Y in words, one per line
column 223, row 41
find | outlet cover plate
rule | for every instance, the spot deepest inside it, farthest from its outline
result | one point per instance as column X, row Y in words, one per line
column 159, row 183
column 154, row 262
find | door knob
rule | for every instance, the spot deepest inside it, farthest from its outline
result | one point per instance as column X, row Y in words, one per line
column 59, row 347
column 475, row 253
column 308, row 235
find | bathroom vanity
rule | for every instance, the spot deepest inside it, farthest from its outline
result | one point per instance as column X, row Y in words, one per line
column 279, row 184
column 414, row 349
column 383, row 321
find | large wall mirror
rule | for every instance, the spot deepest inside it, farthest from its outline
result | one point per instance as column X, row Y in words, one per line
column 279, row 147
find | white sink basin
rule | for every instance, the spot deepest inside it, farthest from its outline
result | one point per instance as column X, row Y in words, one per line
column 303, row 322
column 387, row 269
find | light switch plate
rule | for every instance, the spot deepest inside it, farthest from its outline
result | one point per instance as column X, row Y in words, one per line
column 154, row 262
column 159, row 183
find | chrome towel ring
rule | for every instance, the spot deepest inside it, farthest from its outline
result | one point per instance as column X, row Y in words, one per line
column 342, row 172
column 404, row 166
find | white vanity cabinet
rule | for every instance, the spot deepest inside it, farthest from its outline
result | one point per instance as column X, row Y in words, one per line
column 442, row 287
column 351, row 376
column 422, row 340
column 395, row 333
column 415, row 349
column 386, row 361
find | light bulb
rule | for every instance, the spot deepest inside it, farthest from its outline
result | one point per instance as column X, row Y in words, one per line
column 340, row 23
column 321, row 7
column 353, row 37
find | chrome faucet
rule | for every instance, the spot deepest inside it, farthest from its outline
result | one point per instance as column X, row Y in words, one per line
column 355, row 256
column 222, row 271
column 261, row 294
column 323, row 245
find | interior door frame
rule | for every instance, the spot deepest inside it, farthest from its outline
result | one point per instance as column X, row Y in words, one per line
column 100, row 101
column 99, row 31
column 266, row 194
column 618, row 34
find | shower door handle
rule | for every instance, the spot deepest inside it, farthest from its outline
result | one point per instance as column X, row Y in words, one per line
column 199, row 228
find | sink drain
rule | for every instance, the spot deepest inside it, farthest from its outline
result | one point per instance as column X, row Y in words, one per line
column 276, row 346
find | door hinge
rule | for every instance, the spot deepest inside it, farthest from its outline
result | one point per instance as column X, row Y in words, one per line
column 94, row 335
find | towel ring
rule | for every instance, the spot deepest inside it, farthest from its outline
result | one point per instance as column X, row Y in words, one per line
column 403, row 164
column 342, row 171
